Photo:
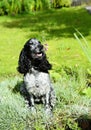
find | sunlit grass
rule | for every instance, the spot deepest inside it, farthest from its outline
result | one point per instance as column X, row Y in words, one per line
column 54, row 27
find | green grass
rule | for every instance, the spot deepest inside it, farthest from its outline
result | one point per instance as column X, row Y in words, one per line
column 54, row 27
column 71, row 104
column 70, row 67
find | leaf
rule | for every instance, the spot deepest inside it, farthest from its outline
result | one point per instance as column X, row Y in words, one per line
column 87, row 91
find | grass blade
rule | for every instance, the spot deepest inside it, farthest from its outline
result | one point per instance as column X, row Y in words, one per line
column 84, row 45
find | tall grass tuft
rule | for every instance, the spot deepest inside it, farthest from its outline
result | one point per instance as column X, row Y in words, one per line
column 84, row 45
column 87, row 51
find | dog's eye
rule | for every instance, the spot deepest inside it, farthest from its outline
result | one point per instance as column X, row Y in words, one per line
column 31, row 43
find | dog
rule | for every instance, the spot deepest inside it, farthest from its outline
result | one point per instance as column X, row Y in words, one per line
column 33, row 64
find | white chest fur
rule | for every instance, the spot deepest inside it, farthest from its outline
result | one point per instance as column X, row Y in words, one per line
column 37, row 83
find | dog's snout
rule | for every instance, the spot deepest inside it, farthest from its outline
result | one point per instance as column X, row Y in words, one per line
column 40, row 46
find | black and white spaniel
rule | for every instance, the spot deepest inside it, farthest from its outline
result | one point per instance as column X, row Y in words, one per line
column 34, row 65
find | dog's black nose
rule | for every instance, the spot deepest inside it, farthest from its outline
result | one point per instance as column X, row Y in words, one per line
column 40, row 46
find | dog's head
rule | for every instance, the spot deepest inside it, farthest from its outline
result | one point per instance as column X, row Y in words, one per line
column 34, row 49
column 33, row 55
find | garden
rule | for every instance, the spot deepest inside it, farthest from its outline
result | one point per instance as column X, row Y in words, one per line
column 66, row 31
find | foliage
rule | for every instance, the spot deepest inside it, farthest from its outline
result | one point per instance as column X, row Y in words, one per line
column 15, row 113
column 15, row 6
column 28, row 5
column 87, row 92
column 19, row 6
column 61, row 3
column 4, row 7
column 66, row 3
column 42, row 4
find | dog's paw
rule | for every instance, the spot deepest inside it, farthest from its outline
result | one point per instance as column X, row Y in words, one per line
column 48, row 112
column 33, row 110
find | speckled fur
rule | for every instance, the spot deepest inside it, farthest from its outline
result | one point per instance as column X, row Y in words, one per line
column 34, row 65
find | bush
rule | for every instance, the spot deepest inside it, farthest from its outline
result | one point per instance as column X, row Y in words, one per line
column 10, row 7
column 19, row 6
column 66, row 3
column 28, row 5
column 4, row 7
column 61, row 3
column 42, row 4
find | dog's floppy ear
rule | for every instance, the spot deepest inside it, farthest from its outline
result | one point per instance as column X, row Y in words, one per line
column 45, row 65
column 24, row 63
column 48, row 66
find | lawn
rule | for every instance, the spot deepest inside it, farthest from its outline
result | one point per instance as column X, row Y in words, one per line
column 54, row 27
column 71, row 69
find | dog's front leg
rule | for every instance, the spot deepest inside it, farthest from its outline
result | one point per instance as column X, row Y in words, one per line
column 48, row 110
column 47, row 104
column 32, row 103
column 47, row 100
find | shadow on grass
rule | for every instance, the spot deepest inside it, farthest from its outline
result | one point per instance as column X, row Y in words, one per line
column 84, row 123
column 20, row 88
column 53, row 23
